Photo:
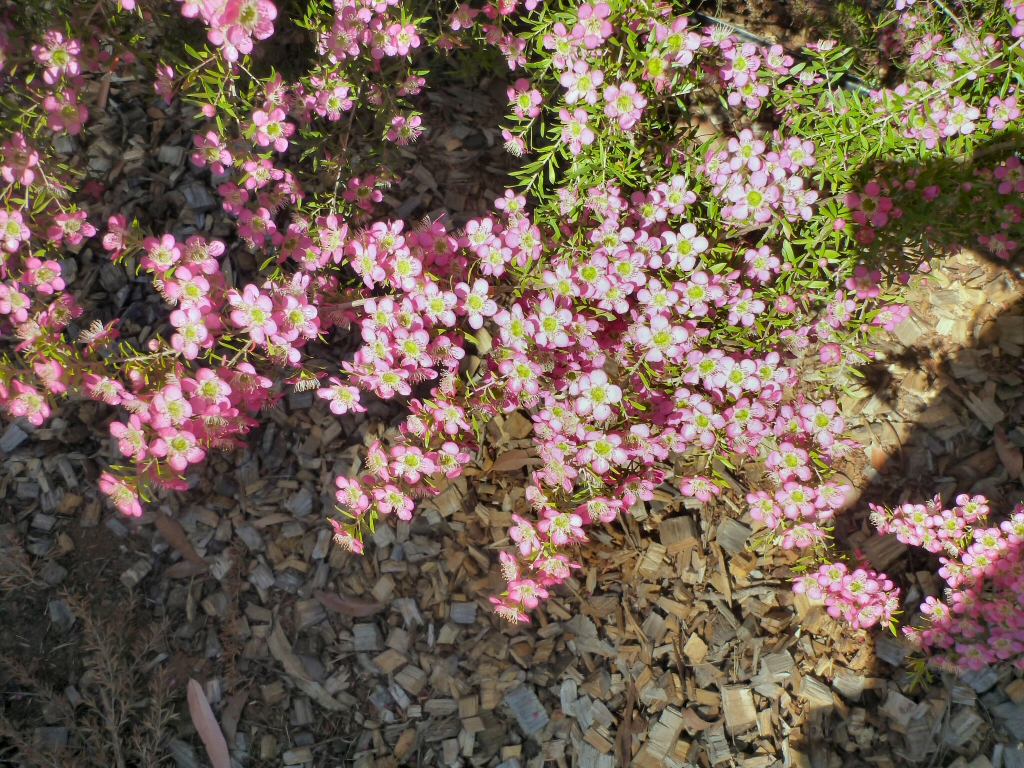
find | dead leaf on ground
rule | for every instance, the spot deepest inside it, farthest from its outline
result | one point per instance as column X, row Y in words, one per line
column 206, row 725
column 177, row 538
column 272, row 519
column 1009, row 454
column 232, row 712
column 510, row 461
column 879, row 460
column 349, row 606
column 185, row 569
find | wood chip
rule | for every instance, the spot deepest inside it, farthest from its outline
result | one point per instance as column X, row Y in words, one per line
column 527, row 708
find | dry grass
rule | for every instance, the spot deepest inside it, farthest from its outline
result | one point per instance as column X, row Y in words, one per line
column 124, row 711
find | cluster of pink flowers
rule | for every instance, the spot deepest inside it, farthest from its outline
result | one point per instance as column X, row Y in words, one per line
column 639, row 327
column 233, row 24
column 1016, row 7
column 879, row 206
column 608, row 308
column 750, row 71
column 982, row 618
column 760, row 183
column 862, row 597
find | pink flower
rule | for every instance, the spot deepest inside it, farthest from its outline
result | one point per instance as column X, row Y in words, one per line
column 238, row 22
column 59, row 55
column 744, row 309
column 888, row 316
column 475, row 303
column 527, row 592
column 208, row 392
column 296, row 319
column 462, row 17
column 253, row 311
column 272, row 129
column 19, row 160
column 508, row 611
column 870, row 206
column 117, row 232
column 65, row 113
column 163, row 85
column 830, row 354
column 600, row 508
column 106, row 389
column 342, row 397
column 391, row 499
column 864, row 282
column 211, row 149
column 72, row 228
column 594, row 395
column 525, row 101
column 13, row 231
column 601, row 451
column 350, row 495
column 410, row 464
column 179, row 446
column 190, row 291
column 331, row 102
column 762, row 264
column 402, row 38
column 702, row 488
column 51, row 374
column 451, row 459
column 789, row 461
column 581, row 83
column 552, row 323
column 256, row 225
column 131, row 440
column 161, row 254
column 663, row 340
column 27, row 402
column 170, row 408
column 764, row 508
column 234, row 197
column 624, row 104
column 363, row 192
column 121, row 495
column 191, row 332
column 593, row 27
column 1010, row 174
column 525, row 536
column 1002, row 111
column 44, row 275
column 561, row 528
column 576, row 134
column 404, row 130
column 344, row 539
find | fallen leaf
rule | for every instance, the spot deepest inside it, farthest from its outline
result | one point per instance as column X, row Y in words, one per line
column 177, row 538
column 510, row 461
column 184, row 569
column 281, row 650
column 232, row 712
column 272, row 519
column 1009, row 454
column 349, row 606
column 879, row 460
column 206, row 725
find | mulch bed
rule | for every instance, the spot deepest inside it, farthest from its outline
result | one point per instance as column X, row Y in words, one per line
column 678, row 643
